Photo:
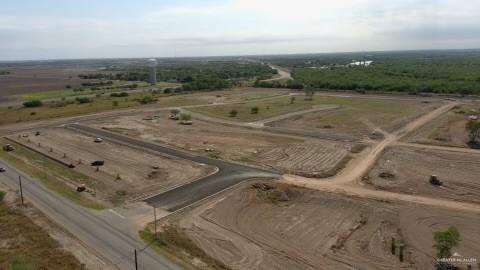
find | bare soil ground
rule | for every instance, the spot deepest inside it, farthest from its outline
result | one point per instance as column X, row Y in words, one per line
column 358, row 117
column 127, row 172
column 39, row 77
column 407, row 170
column 447, row 130
column 274, row 226
column 285, row 153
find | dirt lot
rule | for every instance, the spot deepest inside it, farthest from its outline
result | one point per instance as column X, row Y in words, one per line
column 448, row 130
column 285, row 153
column 127, row 172
column 357, row 117
column 407, row 170
column 276, row 226
column 39, row 77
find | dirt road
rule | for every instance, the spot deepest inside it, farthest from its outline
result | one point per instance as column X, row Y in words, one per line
column 282, row 74
column 348, row 181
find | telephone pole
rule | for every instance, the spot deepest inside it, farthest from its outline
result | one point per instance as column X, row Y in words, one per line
column 136, row 264
column 21, row 189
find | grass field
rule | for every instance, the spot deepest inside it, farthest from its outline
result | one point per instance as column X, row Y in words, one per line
column 380, row 112
column 267, row 108
column 63, row 93
column 52, row 174
column 104, row 103
column 26, row 246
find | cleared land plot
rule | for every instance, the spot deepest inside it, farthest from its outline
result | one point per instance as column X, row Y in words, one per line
column 449, row 129
column 283, row 227
column 408, row 170
column 127, row 172
column 285, row 153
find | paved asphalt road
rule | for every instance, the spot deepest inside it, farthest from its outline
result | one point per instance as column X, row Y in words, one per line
column 229, row 173
column 86, row 225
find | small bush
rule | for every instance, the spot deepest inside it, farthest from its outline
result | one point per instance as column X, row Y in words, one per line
column 185, row 117
column 147, row 100
column 114, row 103
column 254, row 110
column 233, row 113
column 83, row 100
column 32, row 103
column 2, row 195
column 121, row 94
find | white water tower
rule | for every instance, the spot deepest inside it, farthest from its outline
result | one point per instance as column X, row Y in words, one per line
column 152, row 64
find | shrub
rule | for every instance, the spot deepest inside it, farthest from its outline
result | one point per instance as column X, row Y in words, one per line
column 233, row 113
column 2, row 195
column 254, row 110
column 83, row 100
column 121, row 94
column 32, row 103
column 115, row 103
column 146, row 100
column 185, row 117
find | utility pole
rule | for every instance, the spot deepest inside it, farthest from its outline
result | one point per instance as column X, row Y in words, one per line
column 155, row 220
column 136, row 264
column 21, row 190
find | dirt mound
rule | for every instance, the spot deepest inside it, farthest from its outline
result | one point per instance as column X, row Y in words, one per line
column 275, row 193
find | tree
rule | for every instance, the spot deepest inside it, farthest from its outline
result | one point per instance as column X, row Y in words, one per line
column 445, row 241
column 254, row 110
column 292, row 99
column 474, row 130
column 233, row 113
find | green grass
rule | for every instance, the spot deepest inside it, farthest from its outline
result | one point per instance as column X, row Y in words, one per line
column 118, row 86
column 267, row 108
column 50, row 173
column 104, row 103
column 379, row 112
column 21, row 262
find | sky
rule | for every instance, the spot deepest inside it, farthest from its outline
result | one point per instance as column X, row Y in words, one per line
column 71, row 29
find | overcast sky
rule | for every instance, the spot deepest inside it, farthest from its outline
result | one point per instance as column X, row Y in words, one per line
column 53, row 29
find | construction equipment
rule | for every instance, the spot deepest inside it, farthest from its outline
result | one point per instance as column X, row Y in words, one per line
column 8, row 148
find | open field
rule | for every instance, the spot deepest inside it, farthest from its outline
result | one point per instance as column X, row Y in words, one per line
column 447, row 130
column 274, row 226
column 25, row 245
column 98, row 104
column 285, row 153
column 39, row 77
column 127, row 173
column 408, row 170
column 357, row 116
